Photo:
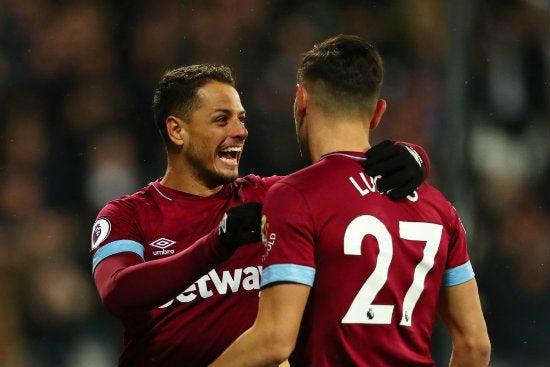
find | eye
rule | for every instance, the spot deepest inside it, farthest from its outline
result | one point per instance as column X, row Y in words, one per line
column 242, row 119
column 222, row 118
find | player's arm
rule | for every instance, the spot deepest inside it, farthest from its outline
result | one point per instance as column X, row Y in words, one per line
column 128, row 284
column 272, row 338
column 402, row 165
column 460, row 309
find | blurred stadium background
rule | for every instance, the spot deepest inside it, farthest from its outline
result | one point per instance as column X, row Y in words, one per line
column 467, row 80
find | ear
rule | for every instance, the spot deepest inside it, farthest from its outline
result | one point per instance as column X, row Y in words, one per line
column 378, row 112
column 301, row 101
column 176, row 131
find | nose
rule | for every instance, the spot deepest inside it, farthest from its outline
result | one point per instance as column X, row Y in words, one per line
column 238, row 130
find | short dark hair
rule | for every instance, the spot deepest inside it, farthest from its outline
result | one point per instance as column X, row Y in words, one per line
column 345, row 71
column 176, row 92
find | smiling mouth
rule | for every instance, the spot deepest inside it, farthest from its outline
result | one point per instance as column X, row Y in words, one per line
column 230, row 155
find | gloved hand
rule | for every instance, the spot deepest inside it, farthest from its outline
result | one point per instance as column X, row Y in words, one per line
column 241, row 224
column 401, row 167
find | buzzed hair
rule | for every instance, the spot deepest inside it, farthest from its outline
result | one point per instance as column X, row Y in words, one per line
column 345, row 72
column 176, row 93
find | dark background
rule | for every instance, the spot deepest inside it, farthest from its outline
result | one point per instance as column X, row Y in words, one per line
column 467, row 80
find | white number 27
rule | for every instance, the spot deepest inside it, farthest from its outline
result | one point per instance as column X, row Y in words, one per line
column 362, row 311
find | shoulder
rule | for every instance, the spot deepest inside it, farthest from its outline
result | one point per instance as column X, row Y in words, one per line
column 255, row 181
column 127, row 203
column 123, row 218
column 296, row 188
column 306, row 177
column 429, row 196
column 252, row 187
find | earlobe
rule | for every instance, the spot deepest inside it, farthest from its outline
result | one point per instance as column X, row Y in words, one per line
column 175, row 130
column 378, row 112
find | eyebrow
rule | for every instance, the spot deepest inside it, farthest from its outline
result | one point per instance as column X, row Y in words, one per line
column 224, row 110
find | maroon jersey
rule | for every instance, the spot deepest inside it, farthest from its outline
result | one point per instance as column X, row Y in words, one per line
column 375, row 266
column 197, row 325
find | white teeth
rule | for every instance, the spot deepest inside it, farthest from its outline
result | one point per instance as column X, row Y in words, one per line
column 230, row 155
column 232, row 149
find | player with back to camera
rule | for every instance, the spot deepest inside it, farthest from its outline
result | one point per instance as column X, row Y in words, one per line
column 350, row 277
column 168, row 260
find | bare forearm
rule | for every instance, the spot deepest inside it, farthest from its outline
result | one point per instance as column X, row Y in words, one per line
column 272, row 338
column 250, row 350
column 460, row 308
column 469, row 361
column 470, row 357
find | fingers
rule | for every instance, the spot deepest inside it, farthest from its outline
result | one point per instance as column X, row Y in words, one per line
column 241, row 225
column 387, row 167
column 401, row 192
column 399, row 179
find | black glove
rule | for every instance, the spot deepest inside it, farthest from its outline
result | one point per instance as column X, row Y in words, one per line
column 401, row 167
column 241, row 224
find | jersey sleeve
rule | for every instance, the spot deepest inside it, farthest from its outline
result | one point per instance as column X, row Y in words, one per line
column 458, row 268
column 115, row 230
column 127, row 286
column 128, row 283
column 287, row 234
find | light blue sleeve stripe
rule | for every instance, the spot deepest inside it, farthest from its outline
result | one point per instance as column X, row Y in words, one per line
column 288, row 273
column 458, row 275
column 116, row 247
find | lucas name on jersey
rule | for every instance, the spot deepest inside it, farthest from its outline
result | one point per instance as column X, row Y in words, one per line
column 212, row 283
column 367, row 185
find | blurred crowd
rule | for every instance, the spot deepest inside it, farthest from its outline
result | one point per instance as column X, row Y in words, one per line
column 76, row 130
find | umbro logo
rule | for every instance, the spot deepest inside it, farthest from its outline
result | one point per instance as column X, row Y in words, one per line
column 162, row 243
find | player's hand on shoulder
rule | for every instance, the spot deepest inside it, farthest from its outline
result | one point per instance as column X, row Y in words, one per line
column 240, row 225
column 402, row 168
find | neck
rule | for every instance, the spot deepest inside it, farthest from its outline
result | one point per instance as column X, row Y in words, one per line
column 334, row 135
column 185, row 181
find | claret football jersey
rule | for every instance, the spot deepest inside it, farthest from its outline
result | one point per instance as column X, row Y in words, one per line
column 195, row 326
column 375, row 266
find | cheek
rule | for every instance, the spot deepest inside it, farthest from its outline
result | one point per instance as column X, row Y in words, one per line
column 205, row 145
column 199, row 149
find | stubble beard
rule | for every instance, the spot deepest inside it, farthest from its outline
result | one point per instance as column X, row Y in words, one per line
column 205, row 172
